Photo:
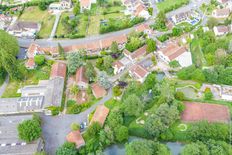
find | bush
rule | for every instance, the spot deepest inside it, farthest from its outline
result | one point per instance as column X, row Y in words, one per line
column 75, row 126
column 163, row 38
column 39, row 59
column 179, row 95
column 174, row 64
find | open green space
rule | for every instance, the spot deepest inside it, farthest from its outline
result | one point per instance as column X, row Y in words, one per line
column 46, row 27
column 32, row 77
column 197, row 54
column 169, row 5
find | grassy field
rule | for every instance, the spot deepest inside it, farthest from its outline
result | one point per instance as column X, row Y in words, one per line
column 36, row 15
column 197, row 54
column 167, row 5
column 47, row 26
column 31, row 78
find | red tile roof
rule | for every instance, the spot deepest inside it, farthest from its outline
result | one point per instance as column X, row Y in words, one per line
column 32, row 49
column 75, row 137
column 139, row 52
column 222, row 29
column 172, row 51
column 30, row 63
column 139, row 71
column 58, row 70
column 98, row 91
column 222, row 12
column 80, row 75
column 142, row 27
column 100, row 115
column 85, row 3
column 204, row 111
column 118, row 64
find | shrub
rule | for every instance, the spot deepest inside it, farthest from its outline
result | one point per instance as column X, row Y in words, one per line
column 179, row 95
column 39, row 59
column 75, row 126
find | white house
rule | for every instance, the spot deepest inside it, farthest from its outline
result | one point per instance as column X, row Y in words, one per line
column 5, row 21
column 138, row 73
column 221, row 13
column 86, row 4
column 184, row 16
column 24, row 29
column 175, row 52
column 141, row 11
column 221, row 30
column 120, row 65
column 137, row 54
column 63, row 4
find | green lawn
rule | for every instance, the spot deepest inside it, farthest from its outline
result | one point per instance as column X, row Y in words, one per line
column 197, row 54
column 32, row 77
column 46, row 26
column 169, row 5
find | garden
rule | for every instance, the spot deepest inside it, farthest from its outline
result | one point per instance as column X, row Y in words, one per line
column 31, row 77
column 102, row 18
column 169, row 5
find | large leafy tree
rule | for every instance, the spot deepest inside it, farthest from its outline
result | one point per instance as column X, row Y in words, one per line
column 151, row 45
column 121, row 133
column 29, row 130
column 90, row 72
column 103, row 80
column 75, row 60
column 133, row 105
column 195, row 149
column 114, row 47
column 146, row 147
column 8, row 51
column 164, row 117
column 67, row 149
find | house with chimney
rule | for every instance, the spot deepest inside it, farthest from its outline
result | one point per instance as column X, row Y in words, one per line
column 138, row 73
column 221, row 13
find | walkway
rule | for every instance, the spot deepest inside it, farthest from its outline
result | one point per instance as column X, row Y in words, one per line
column 55, row 26
column 4, row 85
column 55, row 128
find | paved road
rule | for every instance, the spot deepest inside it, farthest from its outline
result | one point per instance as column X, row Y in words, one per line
column 55, row 128
column 4, row 85
column 55, row 26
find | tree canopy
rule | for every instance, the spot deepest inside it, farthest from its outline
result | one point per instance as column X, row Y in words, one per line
column 67, row 149
column 8, row 52
column 75, row 60
column 29, row 130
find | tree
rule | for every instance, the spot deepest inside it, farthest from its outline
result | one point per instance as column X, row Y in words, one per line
column 114, row 47
column 29, row 130
column 146, row 147
column 75, row 60
column 133, row 44
column 76, row 9
column 151, row 45
column 75, row 126
column 197, row 148
column 150, row 81
column 103, row 80
column 179, row 95
column 212, row 22
column 115, row 118
column 208, row 95
column 67, row 149
column 89, row 71
column 177, row 31
column 39, row 59
column 164, row 117
column 160, row 21
column 8, row 52
column 107, row 61
column 61, row 51
column 74, row 90
column 121, row 133
column 42, row 5
column 174, row 64
column 117, row 91
column 133, row 105
column 153, row 59
column 93, row 130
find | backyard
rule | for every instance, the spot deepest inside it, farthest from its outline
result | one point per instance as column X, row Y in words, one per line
column 32, row 77
column 88, row 24
column 34, row 14
column 169, row 5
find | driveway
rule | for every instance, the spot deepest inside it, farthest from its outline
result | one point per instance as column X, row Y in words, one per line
column 55, row 128
column 55, row 25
